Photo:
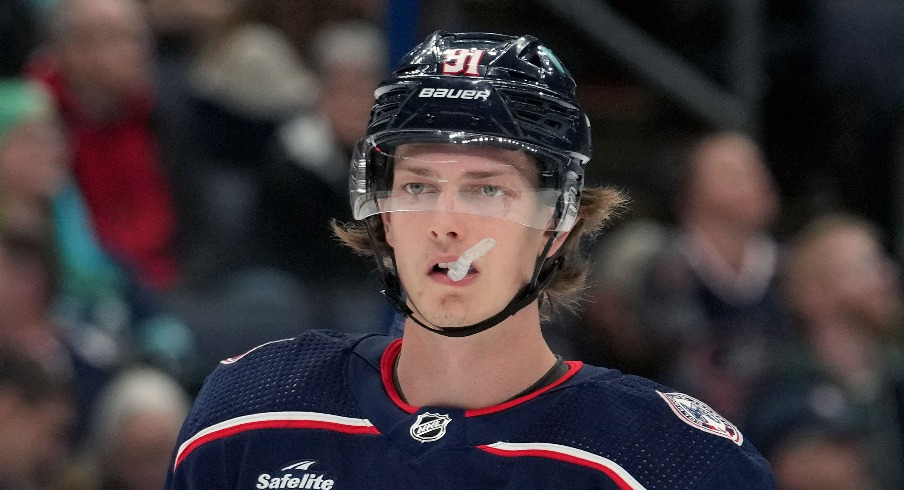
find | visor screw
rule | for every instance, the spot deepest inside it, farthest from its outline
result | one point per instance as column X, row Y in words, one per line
column 475, row 121
column 429, row 118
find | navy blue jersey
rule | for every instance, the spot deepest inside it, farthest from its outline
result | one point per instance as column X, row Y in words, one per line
column 321, row 412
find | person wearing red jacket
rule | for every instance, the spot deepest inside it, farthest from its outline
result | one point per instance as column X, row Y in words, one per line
column 97, row 66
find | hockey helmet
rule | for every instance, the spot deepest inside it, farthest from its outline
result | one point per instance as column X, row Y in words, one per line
column 478, row 89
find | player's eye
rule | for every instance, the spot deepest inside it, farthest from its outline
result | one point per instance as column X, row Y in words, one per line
column 415, row 188
column 491, row 191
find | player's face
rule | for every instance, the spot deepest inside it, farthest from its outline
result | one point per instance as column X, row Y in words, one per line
column 459, row 179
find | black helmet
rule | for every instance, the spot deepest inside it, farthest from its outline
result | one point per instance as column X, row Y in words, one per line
column 477, row 89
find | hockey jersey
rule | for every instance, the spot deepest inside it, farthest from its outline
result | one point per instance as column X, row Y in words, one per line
column 320, row 411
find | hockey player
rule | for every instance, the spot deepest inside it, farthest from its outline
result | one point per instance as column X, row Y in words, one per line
column 468, row 190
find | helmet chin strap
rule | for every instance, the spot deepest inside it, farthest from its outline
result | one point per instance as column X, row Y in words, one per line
column 540, row 280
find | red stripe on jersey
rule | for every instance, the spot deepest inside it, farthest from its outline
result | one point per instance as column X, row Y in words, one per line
column 568, row 455
column 387, row 363
column 276, row 420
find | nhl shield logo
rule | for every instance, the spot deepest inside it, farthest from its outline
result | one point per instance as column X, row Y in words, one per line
column 429, row 426
column 700, row 416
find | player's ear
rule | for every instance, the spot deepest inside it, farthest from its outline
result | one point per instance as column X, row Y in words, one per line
column 387, row 228
column 556, row 244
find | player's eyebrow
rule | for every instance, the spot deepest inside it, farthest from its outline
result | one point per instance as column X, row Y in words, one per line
column 484, row 174
column 473, row 174
column 419, row 171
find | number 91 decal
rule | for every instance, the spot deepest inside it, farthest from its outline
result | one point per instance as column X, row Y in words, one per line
column 462, row 61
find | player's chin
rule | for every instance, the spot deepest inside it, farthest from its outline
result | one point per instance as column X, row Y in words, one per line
column 460, row 317
column 446, row 308
column 449, row 319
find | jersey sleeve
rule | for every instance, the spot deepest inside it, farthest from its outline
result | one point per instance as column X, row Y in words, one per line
column 206, row 468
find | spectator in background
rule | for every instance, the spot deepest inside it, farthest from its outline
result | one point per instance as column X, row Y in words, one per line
column 710, row 298
column 32, row 156
column 611, row 329
column 308, row 178
column 28, row 286
column 243, row 78
column 131, row 433
column 350, row 59
column 178, row 28
column 846, row 296
column 810, row 435
column 269, row 171
column 36, row 419
column 29, row 272
column 250, row 67
column 97, row 68
column 91, row 299
column 302, row 21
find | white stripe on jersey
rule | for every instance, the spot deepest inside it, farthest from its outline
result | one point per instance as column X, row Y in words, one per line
column 566, row 453
column 265, row 419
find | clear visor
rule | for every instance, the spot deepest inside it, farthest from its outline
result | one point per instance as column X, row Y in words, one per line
column 478, row 180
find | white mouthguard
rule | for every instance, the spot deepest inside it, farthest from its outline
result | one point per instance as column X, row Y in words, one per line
column 459, row 269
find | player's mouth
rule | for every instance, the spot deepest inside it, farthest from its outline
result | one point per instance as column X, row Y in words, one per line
column 440, row 272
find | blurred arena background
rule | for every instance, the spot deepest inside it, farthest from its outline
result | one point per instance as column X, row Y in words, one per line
column 168, row 169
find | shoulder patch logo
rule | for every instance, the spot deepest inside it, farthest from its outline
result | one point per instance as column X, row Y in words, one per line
column 700, row 416
column 429, row 427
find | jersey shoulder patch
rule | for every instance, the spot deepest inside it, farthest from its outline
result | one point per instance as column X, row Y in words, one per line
column 700, row 416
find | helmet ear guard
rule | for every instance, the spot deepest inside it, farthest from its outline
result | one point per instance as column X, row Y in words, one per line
column 476, row 89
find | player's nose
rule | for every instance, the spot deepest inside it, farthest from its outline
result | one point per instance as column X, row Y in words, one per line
column 447, row 225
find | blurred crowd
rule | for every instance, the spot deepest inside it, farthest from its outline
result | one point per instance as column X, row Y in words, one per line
column 168, row 169
column 796, row 339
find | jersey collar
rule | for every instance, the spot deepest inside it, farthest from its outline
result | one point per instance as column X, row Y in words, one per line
column 391, row 354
